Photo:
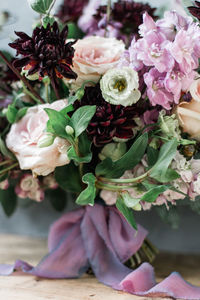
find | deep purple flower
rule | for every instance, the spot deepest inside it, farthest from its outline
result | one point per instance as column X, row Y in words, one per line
column 109, row 120
column 71, row 10
column 46, row 52
column 125, row 18
column 195, row 10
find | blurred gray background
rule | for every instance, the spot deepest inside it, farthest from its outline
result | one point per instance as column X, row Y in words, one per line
column 36, row 219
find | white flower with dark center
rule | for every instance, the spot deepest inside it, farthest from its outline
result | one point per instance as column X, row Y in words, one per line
column 119, row 86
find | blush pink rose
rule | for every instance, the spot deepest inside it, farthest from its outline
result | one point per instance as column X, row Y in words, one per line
column 94, row 56
column 24, row 136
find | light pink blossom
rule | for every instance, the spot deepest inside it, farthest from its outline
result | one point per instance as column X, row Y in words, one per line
column 24, row 136
column 29, row 187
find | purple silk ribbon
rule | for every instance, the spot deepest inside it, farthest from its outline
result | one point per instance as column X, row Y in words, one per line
column 99, row 237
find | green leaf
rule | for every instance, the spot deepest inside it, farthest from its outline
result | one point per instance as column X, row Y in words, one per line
column 57, row 123
column 41, row 6
column 57, row 199
column 8, row 201
column 160, row 170
column 3, row 177
column 72, row 99
column 4, row 150
column 21, row 113
column 152, row 156
column 128, row 161
column 126, row 212
column 78, row 159
column 48, row 20
column 82, row 117
column 154, row 191
column 68, row 178
column 88, row 195
column 84, row 146
column 129, row 201
column 74, row 31
column 11, row 113
column 66, row 110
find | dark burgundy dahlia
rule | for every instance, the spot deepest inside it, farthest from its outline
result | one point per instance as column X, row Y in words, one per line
column 126, row 16
column 195, row 10
column 109, row 120
column 71, row 10
column 46, row 52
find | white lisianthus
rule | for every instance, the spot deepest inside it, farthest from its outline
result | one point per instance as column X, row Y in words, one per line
column 119, row 86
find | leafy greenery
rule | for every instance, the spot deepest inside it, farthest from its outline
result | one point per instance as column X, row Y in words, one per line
column 68, row 178
column 84, row 149
column 8, row 201
column 126, row 212
column 88, row 195
column 153, row 191
column 128, row 161
column 57, row 199
column 4, row 150
column 160, row 170
column 81, row 118
column 41, row 6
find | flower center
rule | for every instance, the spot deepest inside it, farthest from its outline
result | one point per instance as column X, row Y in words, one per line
column 120, row 85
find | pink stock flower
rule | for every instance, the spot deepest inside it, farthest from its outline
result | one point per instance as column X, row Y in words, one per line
column 29, row 187
column 172, row 23
column 182, row 49
column 170, row 49
column 156, row 91
column 153, row 51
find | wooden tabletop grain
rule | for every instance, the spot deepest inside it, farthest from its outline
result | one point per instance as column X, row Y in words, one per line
column 27, row 287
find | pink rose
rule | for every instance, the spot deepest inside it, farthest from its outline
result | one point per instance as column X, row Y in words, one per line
column 24, row 136
column 195, row 90
column 189, row 118
column 94, row 56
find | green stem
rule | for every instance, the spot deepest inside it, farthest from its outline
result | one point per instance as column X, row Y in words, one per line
column 50, row 8
column 22, row 78
column 129, row 180
column 29, row 93
column 113, row 188
column 5, row 162
column 9, row 168
column 108, row 12
column 46, row 85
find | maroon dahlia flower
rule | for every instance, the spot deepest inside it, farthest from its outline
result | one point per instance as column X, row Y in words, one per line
column 46, row 52
column 71, row 10
column 109, row 120
column 195, row 10
column 126, row 16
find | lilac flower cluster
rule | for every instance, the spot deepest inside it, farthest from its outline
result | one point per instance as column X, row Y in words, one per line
column 170, row 49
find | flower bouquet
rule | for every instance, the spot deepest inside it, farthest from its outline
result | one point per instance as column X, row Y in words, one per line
column 101, row 105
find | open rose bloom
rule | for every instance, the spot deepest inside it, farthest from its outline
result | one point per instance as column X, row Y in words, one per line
column 125, row 137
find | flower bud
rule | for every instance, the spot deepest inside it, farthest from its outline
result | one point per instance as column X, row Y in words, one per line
column 46, row 140
column 169, row 126
column 80, row 93
column 69, row 130
column 32, row 77
column 113, row 150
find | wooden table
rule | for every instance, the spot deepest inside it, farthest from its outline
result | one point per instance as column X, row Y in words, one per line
column 87, row 288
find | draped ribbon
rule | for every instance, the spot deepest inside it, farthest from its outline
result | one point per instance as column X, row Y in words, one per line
column 99, row 237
